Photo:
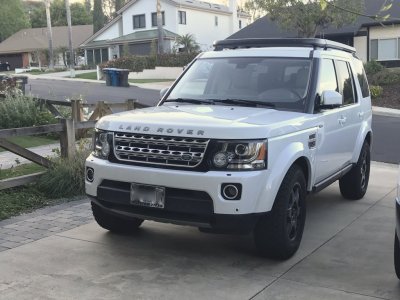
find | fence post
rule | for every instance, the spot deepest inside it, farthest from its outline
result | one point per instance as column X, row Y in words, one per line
column 131, row 104
column 77, row 115
column 67, row 138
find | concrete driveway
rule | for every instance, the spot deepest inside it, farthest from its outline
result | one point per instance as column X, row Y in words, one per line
column 346, row 253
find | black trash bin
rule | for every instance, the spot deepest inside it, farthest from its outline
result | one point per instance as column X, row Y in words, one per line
column 123, row 75
column 107, row 74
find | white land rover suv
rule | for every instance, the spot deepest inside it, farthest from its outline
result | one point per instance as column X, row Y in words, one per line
column 237, row 143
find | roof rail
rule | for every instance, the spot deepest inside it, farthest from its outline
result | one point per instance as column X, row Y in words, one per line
column 281, row 42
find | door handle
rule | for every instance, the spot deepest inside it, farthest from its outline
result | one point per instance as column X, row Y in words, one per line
column 342, row 120
column 361, row 115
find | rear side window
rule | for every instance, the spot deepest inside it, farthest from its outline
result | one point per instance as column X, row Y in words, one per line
column 346, row 84
column 362, row 77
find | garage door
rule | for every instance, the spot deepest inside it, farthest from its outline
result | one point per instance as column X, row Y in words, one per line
column 15, row 60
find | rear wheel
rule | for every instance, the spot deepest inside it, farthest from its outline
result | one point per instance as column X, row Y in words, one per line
column 397, row 255
column 278, row 235
column 354, row 184
column 114, row 223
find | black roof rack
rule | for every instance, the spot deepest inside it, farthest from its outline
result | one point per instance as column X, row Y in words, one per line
column 281, row 42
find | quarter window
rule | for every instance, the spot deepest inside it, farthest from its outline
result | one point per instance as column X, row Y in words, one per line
column 346, row 85
column 154, row 19
column 182, row 17
column 139, row 21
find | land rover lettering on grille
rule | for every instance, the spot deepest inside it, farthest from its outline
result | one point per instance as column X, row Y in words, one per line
column 162, row 130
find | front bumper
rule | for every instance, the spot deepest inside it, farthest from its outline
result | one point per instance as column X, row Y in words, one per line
column 254, row 185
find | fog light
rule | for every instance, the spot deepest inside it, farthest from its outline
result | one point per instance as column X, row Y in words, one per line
column 89, row 174
column 231, row 191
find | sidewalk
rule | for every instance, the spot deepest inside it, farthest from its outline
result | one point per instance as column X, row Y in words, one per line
column 9, row 159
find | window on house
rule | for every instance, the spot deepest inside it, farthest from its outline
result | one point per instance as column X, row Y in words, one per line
column 240, row 24
column 154, row 19
column 182, row 17
column 139, row 21
column 216, row 21
column 385, row 49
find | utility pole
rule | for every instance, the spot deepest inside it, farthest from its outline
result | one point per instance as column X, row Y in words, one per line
column 160, row 29
column 50, row 35
column 71, row 49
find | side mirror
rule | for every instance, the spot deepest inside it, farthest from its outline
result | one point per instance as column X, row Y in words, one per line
column 331, row 99
column 163, row 92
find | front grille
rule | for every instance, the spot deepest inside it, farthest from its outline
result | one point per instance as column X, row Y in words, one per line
column 159, row 150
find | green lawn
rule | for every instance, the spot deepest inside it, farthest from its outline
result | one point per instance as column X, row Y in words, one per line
column 21, row 200
column 91, row 76
column 31, row 141
column 24, row 169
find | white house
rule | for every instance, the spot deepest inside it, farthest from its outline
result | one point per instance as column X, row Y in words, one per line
column 134, row 29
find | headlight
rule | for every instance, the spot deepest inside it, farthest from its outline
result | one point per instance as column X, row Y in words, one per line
column 240, row 155
column 101, row 143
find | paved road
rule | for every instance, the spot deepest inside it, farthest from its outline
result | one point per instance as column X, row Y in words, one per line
column 386, row 140
column 386, row 146
column 91, row 92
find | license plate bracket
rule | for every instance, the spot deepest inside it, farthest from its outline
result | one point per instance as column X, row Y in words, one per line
column 147, row 195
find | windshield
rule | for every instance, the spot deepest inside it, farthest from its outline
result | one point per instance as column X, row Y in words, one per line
column 280, row 82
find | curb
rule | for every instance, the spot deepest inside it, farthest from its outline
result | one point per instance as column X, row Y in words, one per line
column 388, row 112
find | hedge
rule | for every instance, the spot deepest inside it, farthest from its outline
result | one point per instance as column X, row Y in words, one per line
column 136, row 63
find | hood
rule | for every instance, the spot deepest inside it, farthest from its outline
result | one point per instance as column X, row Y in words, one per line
column 208, row 121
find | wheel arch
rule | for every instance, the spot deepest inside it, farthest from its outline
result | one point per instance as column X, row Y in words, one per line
column 305, row 165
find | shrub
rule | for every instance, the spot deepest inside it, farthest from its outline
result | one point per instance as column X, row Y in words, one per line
column 65, row 178
column 137, row 63
column 373, row 67
column 20, row 111
column 385, row 77
column 376, row 91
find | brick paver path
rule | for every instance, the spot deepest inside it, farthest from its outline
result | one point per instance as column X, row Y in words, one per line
column 43, row 223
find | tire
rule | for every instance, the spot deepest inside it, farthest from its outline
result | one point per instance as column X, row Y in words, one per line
column 278, row 234
column 397, row 256
column 113, row 223
column 354, row 184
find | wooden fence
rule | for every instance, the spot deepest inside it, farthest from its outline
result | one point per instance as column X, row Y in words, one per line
column 69, row 130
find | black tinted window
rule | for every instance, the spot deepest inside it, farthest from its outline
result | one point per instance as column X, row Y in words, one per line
column 362, row 78
column 346, row 87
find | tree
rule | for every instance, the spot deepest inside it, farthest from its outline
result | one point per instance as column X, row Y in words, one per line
column 79, row 14
column 88, row 6
column 308, row 17
column 12, row 18
column 188, row 42
column 99, row 18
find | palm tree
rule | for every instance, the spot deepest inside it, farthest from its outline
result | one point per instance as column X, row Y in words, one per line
column 188, row 42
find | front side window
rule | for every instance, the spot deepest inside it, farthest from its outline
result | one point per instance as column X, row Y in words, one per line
column 281, row 82
column 154, row 19
column 139, row 21
column 327, row 80
column 182, row 17
column 346, row 86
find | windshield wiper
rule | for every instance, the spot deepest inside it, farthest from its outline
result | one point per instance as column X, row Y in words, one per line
column 245, row 102
column 188, row 100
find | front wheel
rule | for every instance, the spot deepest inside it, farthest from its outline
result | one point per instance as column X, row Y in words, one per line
column 114, row 223
column 278, row 235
